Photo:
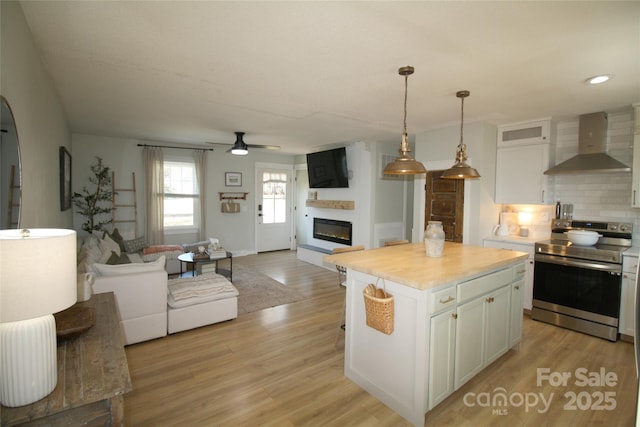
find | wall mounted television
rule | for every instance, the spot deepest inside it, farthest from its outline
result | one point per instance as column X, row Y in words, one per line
column 328, row 169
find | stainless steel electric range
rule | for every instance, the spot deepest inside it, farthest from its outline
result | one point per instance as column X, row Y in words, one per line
column 578, row 287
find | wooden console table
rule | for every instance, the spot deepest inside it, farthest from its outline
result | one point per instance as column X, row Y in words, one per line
column 93, row 376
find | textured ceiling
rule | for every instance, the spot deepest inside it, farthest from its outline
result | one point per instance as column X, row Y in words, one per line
column 304, row 75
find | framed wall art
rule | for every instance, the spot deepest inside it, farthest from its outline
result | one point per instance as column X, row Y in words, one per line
column 65, row 179
column 233, row 179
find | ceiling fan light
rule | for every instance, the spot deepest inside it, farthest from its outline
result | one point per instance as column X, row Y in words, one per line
column 239, row 151
column 239, row 147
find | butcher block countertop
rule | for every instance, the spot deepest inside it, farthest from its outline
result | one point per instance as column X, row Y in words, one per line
column 409, row 265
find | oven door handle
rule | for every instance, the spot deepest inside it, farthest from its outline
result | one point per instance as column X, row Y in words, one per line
column 569, row 262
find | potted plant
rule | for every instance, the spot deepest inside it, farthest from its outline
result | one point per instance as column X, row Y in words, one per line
column 97, row 201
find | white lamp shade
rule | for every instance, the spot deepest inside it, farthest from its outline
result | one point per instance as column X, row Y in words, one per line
column 37, row 273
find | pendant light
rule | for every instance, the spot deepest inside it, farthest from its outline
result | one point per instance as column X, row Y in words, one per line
column 405, row 164
column 239, row 147
column 461, row 170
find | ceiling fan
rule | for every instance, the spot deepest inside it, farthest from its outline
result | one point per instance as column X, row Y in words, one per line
column 240, row 148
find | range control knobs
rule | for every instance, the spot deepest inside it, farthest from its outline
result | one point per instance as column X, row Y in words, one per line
column 625, row 228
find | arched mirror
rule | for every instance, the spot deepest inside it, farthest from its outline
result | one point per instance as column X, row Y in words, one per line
column 10, row 177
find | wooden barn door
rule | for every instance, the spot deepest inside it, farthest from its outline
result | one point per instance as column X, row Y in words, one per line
column 445, row 202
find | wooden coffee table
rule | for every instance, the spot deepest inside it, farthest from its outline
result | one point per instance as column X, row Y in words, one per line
column 188, row 258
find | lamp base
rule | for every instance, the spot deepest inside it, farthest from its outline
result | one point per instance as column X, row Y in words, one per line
column 28, row 360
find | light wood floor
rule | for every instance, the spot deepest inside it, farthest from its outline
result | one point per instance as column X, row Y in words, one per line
column 280, row 367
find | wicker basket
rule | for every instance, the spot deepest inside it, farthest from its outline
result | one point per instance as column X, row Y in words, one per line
column 230, row 207
column 378, row 304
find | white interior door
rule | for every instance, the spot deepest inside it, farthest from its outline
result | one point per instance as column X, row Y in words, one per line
column 274, row 208
column 303, row 223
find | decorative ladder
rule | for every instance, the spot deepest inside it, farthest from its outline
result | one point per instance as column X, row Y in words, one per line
column 132, row 206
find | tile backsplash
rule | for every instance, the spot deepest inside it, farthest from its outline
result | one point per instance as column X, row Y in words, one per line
column 605, row 197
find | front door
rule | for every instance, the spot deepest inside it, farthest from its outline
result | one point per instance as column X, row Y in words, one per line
column 274, row 209
column 445, row 202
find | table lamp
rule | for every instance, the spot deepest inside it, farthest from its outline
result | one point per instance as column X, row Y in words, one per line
column 524, row 220
column 37, row 279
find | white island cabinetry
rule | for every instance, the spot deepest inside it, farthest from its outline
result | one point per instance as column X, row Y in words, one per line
column 527, row 268
column 414, row 368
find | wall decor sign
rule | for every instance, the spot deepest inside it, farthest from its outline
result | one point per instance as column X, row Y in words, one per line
column 65, row 179
column 233, row 179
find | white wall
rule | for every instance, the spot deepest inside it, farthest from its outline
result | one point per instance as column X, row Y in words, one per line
column 235, row 231
column 436, row 150
column 599, row 196
column 392, row 197
column 360, row 191
column 40, row 121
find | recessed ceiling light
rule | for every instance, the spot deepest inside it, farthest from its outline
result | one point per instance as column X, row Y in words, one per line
column 595, row 80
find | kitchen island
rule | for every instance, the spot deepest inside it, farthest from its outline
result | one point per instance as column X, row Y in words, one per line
column 454, row 315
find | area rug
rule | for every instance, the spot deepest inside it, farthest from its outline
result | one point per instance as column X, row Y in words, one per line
column 258, row 291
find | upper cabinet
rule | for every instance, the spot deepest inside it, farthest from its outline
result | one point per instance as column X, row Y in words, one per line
column 635, row 168
column 525, row 151
column 538, row 132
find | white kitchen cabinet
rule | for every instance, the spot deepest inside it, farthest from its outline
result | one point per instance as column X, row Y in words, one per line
column 528, row 266
column 482, row 333
column 525, row 133
column 520, row 177
column 626, row 323
column 441, row 361
column 470, row 327
column 498, row 309
column 635, row 170
column 517, row 299
column 524, row 152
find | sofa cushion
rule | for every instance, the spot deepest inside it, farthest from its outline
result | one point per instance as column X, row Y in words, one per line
column 115, row 270
column 108, row 245
column 114, row 259
column 117, row 237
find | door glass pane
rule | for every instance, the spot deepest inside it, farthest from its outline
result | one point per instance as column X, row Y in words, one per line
column 274, row 198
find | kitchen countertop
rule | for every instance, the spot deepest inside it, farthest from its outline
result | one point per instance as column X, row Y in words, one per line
column 531, row 240
column 409, row 265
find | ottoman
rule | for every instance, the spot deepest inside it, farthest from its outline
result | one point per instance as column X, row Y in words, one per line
column 198, row 301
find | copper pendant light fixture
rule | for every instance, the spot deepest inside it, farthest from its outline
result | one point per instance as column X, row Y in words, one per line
column 461, row 170
column 405, row 164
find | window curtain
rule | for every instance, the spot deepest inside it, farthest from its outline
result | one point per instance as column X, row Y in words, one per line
column 200, row 157
column 154, row 194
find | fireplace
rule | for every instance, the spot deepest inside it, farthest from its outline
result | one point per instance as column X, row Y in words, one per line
column 332, row 230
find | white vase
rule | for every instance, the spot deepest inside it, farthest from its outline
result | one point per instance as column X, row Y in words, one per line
column 434, row 239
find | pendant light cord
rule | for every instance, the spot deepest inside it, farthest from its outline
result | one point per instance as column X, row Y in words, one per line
column 406, row 79
column 461, row 121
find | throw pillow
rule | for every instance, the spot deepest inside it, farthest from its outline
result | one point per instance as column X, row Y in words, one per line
column 114, row 259
column 135, row 245
column 116, row 270
column 107, row 245
column 117, row 237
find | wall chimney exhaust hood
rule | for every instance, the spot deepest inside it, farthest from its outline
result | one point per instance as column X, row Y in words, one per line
column 592, row 156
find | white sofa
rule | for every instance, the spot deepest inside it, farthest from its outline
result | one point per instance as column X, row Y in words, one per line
column 141, row 289
column 142, row 302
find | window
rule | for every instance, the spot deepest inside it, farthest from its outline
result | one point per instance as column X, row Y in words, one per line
column 180, row 195
column 274, row 198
